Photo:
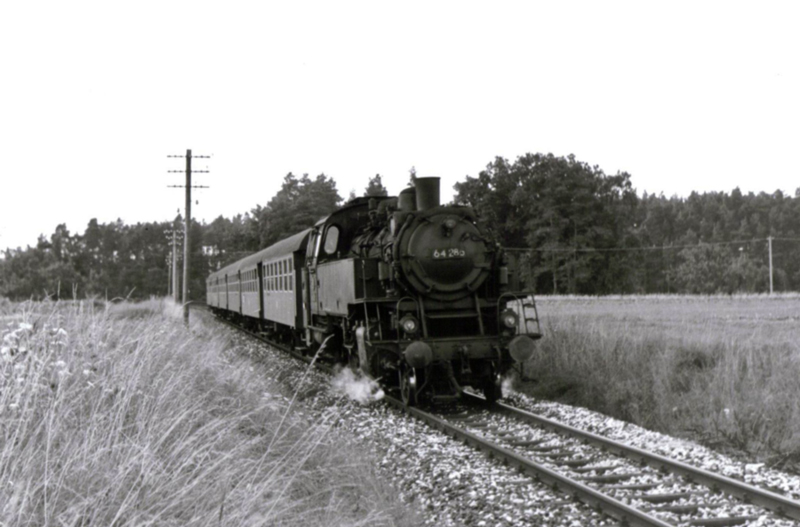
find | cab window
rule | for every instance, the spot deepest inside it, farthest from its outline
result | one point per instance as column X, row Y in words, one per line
column 331, row 239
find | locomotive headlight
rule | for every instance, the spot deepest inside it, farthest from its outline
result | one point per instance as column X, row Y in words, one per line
column 409, row 324
column 510, row 319
column 448, row 226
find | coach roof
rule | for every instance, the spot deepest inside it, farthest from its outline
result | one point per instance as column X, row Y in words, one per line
column 284, row 247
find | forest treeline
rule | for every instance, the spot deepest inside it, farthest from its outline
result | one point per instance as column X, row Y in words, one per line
column 576, row 229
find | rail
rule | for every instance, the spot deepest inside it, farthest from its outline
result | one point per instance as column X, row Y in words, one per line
column 615, row 508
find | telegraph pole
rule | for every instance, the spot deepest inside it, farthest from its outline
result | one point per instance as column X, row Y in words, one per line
column 187, row 226
column 769, row 239
column 169, row 276
column 174, row 282
column 175, row 265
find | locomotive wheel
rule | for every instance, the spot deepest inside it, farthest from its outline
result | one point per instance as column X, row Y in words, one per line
column 492, row 389
column 408, row 393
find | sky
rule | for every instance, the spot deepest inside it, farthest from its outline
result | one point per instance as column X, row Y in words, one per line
column 683, row 96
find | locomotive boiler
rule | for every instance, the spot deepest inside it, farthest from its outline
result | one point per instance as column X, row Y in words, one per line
column 417, row 295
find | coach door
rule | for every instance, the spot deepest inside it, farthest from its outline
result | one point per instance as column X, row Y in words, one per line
column 227, row 303
column 260, row 289
column 239, row 289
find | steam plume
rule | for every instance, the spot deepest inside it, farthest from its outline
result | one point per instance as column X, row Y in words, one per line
column 356, row 386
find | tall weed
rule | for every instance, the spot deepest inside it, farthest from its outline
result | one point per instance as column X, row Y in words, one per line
column 119, row 415
column 708, row 368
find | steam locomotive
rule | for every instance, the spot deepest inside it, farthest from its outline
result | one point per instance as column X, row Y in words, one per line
column 417, row 295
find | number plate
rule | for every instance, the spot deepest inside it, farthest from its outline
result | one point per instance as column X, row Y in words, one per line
column 452, row 252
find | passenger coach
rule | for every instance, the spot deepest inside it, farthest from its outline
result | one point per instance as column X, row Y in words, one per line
column 276, row 305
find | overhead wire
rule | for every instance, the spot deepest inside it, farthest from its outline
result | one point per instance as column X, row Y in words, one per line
column 634, row 249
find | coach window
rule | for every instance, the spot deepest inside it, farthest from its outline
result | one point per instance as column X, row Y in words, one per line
column 331, row 239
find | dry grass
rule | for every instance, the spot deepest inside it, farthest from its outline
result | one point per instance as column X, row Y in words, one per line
column 117, row 415
column 721, row 369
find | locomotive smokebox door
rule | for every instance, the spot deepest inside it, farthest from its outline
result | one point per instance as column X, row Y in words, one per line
column 443, row 255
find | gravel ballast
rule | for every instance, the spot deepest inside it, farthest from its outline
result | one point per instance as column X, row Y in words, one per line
column 451, row 484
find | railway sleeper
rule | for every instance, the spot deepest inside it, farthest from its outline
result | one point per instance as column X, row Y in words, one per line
column 601, row 469
column 724, row 522
column 528, row 442
column 665, row 498
column 675, row 509
column 559, row 454
column 611, row 478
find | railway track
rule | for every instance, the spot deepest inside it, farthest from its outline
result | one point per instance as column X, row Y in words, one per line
column 629, row 484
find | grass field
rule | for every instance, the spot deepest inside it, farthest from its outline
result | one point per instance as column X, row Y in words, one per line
column 118, row 415
column 723, row 370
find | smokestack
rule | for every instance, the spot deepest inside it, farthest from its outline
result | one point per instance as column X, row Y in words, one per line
column 427, row 192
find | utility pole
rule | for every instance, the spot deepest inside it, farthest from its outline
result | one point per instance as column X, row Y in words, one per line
column 175, row 265
column 174, row 282
column 187, row 226
column 169, row 276
column 769, row 239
